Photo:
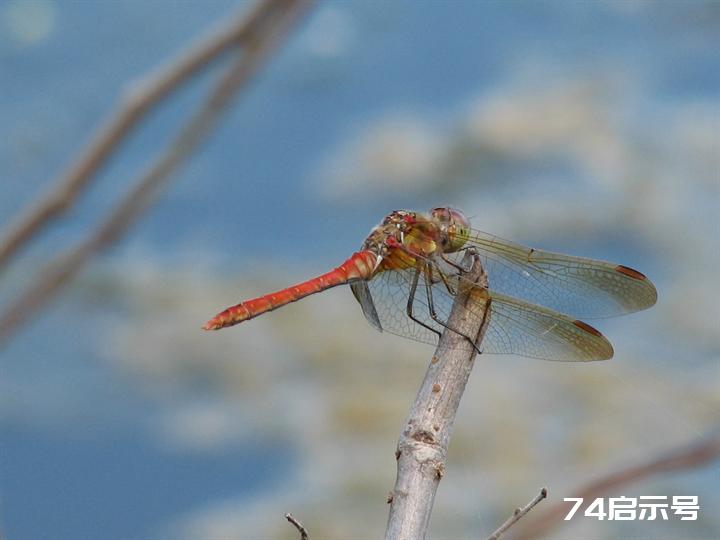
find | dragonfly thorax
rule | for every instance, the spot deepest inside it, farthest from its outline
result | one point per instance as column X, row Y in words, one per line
column 390, row 232
column 404, row 231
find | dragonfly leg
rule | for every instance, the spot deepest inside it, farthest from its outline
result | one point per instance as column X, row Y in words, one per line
column 447, row 284
column 411, row 301
column 431, row 306
column 453, row 263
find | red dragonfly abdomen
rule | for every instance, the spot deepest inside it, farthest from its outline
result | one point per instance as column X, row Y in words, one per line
column 359, row 266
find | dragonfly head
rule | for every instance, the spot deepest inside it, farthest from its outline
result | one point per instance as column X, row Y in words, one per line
column 454, row 227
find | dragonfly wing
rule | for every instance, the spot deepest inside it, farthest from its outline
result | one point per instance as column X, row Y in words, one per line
column 390, row 291
column 574, row 285
column 362, row 294
column 524, row 329
column 515, row 327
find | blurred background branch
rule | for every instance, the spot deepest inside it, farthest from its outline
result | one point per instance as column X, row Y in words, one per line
column 258, row 33
column 696, row 454
column 139, row 99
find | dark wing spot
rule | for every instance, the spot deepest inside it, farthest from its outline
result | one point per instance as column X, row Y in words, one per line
column 589, row 329
column 629, row 272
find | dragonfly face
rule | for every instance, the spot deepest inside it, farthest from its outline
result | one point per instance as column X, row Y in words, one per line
column 454, row 228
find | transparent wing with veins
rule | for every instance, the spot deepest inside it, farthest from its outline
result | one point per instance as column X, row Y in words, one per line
column 576, row 286
column 515, row 327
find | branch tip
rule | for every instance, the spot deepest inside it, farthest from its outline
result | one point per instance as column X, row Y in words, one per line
column 518, row 514
column 299, row 526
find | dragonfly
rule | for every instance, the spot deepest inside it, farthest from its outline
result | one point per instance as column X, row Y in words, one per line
column 408, row 272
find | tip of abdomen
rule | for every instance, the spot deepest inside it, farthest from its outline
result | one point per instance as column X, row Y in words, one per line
column 229, row 317
column 220, row 321
column 211, row 325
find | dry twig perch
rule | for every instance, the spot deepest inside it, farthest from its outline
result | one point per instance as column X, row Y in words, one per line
column 422, row 447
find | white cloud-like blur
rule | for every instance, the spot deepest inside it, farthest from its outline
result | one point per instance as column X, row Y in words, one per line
column 28, row 22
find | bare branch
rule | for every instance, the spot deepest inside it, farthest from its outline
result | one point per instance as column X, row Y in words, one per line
column 517, row 515
column 50, row 280
column 137, row 101
column 686, row 457
column 422, row 447
column 299, row 526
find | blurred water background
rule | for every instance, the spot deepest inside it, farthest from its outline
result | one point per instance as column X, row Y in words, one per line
column 586, row 127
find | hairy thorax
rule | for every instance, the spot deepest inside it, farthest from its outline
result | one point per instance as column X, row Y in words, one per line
column 401, row 237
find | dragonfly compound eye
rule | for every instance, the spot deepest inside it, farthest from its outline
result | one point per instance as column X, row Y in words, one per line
column 454, row 225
